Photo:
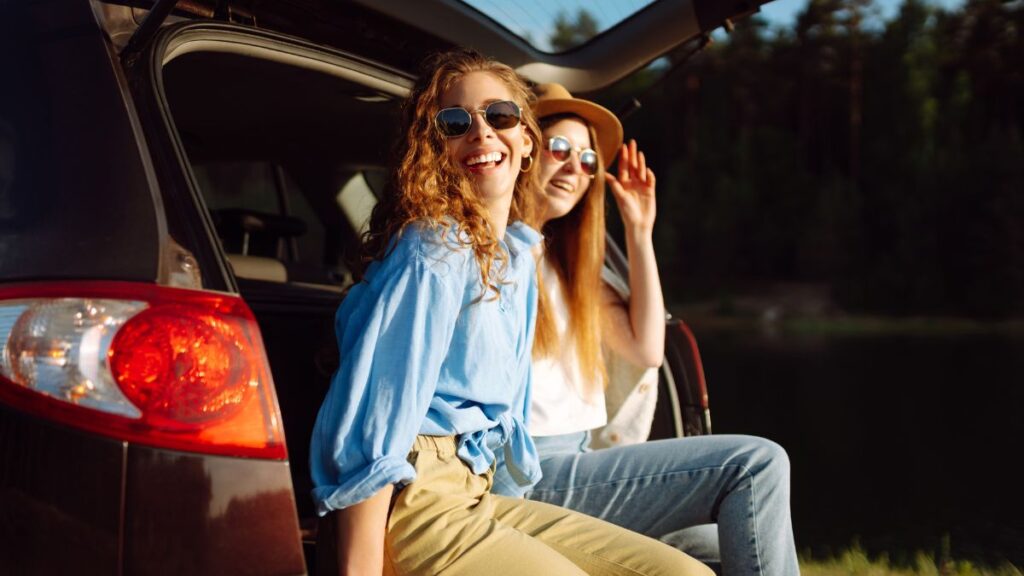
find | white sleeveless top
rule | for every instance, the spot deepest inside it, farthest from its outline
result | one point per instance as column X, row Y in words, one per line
column 559, row 403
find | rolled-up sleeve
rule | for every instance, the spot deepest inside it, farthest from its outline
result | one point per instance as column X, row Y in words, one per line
column 393, row 333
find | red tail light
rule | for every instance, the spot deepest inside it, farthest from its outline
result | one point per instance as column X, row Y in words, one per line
column 160, row 366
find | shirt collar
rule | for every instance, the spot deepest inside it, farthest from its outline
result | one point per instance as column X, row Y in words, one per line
column 519, row 237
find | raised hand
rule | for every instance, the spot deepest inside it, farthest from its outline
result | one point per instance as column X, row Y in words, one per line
column 643, row 312
column 633, row 189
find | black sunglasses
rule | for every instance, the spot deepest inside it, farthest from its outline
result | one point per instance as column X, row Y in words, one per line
column 561, row 150
column 456, row 121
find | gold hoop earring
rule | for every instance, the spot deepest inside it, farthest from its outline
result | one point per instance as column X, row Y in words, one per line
column 529, row 165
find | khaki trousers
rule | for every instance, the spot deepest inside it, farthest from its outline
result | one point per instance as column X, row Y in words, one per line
column 448, row 522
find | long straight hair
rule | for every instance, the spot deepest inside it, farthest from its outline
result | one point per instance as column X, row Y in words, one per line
column 429, row 187
column 574, row 245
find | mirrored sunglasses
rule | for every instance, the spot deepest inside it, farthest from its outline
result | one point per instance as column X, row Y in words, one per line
column 561, row 149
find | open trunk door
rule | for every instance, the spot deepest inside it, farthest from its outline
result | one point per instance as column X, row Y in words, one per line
column 593, row 47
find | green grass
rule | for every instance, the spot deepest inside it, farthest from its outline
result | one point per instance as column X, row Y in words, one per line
column 855, row 562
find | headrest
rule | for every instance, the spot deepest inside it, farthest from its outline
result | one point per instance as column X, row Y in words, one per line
column 258, row 268
column 238, row 220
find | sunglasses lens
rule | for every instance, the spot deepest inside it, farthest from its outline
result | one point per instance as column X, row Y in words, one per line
column 560, row 148
column 453, row 121
column 502, row 115
column 588, row 162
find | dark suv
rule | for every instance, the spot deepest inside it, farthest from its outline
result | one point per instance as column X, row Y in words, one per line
column 180, row 185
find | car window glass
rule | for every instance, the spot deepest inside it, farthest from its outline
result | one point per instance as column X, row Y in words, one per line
column 74, row 201
column 258, row 215
column 356, row 199
column 558, row 26
column 377, row 180
column 25, row 142
column 243, row 185
column 7, row 165
column 310, row 245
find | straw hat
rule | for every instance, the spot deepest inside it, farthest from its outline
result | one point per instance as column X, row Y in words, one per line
column 554, row 99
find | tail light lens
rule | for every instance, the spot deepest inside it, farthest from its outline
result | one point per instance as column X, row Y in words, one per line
column 166, row 367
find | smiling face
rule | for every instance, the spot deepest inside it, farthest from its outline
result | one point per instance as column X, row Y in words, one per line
column 491, row 158
column 563, row 183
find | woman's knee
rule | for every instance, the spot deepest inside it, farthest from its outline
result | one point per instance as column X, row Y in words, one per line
column 767, row 461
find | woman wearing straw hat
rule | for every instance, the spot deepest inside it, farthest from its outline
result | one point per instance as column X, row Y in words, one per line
column 591, row 326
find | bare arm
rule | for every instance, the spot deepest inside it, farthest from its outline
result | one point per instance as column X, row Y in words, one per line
column 636, row 329
column 360, row 535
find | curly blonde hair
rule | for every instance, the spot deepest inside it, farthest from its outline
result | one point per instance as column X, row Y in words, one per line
column 430, row 187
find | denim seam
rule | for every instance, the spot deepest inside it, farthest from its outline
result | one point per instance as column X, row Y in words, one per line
column 753, row 515
column 746, row 472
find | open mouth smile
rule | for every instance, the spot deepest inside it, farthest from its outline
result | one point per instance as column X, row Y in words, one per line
column 562, row 185
column 483, row 161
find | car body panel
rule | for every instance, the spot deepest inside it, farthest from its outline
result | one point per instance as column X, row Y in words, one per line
column 58, row 519
column 336, row 24
column 685, row 376
column 113, row 507
column 194, row 514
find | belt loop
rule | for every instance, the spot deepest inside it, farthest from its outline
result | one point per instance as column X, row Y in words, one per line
column 443, row 446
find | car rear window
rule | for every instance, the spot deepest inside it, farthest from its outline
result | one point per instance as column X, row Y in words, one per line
column 556, row 27
column 74, row 200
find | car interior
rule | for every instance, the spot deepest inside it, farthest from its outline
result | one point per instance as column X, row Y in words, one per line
column 289, row 158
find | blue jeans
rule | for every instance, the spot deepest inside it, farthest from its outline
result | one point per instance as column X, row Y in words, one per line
column 665, row 488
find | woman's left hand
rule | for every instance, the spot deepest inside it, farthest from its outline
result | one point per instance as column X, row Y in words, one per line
column 633, row 189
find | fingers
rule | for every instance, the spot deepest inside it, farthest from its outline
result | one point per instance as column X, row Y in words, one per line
column 619, row 193
column 633, row 166
column 612, row 181
column 615, row 185
column 623, row 167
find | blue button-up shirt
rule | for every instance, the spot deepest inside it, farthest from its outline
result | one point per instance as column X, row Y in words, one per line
column 426, row 350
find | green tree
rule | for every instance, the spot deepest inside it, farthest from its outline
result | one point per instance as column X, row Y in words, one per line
column 881, row 158
column 570, row 33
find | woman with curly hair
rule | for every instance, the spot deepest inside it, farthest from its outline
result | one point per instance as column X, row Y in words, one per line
column 435, row 344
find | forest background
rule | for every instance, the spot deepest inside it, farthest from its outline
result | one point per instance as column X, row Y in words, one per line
column 880, row 159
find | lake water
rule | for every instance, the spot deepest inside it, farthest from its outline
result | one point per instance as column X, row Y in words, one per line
column 895, row 441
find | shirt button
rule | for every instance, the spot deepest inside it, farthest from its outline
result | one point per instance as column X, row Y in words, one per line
column 644, row 388
column 614, row 437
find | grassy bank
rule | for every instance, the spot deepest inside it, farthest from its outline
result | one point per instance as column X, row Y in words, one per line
column 855, row 562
